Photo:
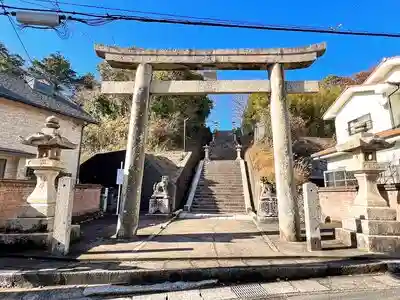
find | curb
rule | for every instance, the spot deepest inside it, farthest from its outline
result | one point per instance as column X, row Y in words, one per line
column 38, row 278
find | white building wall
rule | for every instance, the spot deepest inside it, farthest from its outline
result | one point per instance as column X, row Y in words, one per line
column 338, row 162
column 344, row 160
column 17, row 119
column 393, row 75
column 358, row 106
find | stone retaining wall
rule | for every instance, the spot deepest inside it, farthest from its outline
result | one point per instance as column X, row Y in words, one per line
column 13, row 194
column 336, row 201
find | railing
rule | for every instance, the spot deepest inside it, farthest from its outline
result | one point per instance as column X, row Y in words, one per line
column 341, row 177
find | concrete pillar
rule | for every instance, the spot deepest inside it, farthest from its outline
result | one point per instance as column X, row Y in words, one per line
column 128, row 219
column 312, row 216
column 289, row 222
column 63, row 216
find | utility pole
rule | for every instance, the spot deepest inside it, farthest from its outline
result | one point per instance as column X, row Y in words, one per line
column 184, row 134
column 234, row 131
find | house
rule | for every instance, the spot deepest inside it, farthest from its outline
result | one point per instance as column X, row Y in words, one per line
column 374, row 107
column 25, row 103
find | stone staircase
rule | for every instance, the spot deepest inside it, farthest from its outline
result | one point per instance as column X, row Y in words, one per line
column 220, row 188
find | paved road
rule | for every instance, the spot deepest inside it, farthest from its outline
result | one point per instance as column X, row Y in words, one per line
column 377, row 286
column 388, row 294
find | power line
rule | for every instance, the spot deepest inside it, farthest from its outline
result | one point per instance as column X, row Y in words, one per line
column 139, row 11
column 99, row 19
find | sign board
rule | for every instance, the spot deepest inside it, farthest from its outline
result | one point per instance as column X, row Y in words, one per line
column 120, row 176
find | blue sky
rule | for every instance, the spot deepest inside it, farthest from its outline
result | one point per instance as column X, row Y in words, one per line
column 345, row 54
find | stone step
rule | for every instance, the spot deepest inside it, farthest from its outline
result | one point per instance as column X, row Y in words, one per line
column 211, row 202
column 202, row 202
column 216, row 197
column 221, row 183
column 207, row 183
column 232, row 198
column 378, row 243
column 222, row 179
column 218, row 211
column 218, row 174
column 219, row 206
column 219, row 191
column 220, row 198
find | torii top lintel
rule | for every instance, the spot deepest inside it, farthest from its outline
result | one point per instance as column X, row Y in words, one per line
column 218, row 59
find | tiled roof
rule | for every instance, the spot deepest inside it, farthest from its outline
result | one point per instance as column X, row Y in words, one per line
column 386, row 134
column 16, row 89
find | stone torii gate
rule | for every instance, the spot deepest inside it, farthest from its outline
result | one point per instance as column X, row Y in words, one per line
column 144, row 61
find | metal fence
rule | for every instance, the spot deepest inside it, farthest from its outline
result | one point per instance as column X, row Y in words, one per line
column 341, row 177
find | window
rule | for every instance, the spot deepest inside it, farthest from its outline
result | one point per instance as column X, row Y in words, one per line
column 361, row 124
column 3, row 163
column 339, row 177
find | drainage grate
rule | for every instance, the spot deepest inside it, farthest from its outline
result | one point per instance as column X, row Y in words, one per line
column 249, row 291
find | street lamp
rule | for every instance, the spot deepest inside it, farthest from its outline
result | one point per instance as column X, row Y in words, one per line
column 184, row 134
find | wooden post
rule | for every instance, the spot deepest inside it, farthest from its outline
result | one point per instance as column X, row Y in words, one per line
column 128, row 218
column 289, row 222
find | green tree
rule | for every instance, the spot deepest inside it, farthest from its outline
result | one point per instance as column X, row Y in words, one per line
column 166, row 113
column 10, row 63
column 57, row 69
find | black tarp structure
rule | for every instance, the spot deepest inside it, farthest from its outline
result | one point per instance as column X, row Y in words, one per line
column 102, row 169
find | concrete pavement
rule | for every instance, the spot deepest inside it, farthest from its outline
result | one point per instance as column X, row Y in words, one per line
column 227, row 249
column 343, row 287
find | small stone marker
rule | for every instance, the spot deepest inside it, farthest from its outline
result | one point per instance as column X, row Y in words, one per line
column 63, row 216
column 312, row 216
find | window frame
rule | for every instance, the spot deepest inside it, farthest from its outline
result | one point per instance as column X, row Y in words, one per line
column 369, row 124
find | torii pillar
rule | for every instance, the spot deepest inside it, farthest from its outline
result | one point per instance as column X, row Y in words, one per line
column 289, row 220
column 273, row 60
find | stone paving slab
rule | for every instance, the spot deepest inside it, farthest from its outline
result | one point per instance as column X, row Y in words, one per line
column 186, row 248
column 270, row 289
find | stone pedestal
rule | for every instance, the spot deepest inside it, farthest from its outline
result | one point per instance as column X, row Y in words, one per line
column 238, row 152
column 160, row 201
column 371, row 224
column 38, row 213
column 267, row 210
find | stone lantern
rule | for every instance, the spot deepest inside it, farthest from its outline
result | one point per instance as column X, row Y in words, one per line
column 47, row 165
column 371, row 223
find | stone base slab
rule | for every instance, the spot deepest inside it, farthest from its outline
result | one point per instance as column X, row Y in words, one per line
column 373, row 213
column 378, row 243
column 37, row 210
column 267, row 220
column 379, row 227
column 347, row 237
column 27, row 225
column 34, row 239
column 26, row 240
column 351, row 224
